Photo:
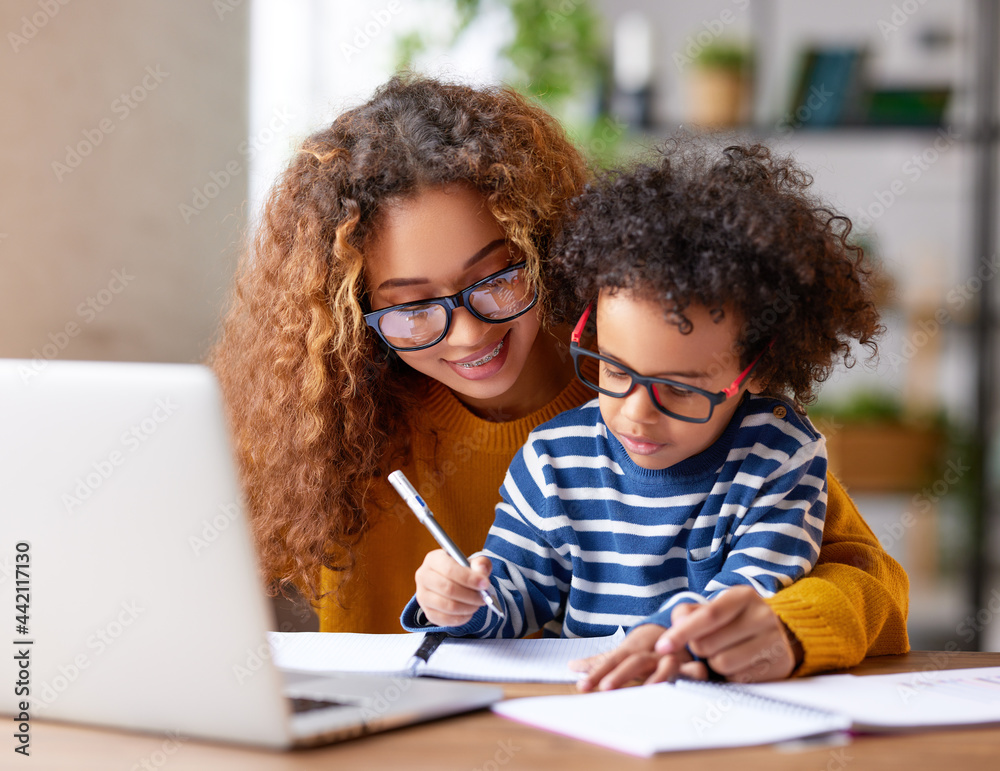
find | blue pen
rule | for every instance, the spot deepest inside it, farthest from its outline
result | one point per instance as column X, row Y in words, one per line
column 407, row 492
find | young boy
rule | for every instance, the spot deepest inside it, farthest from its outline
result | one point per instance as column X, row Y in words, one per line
column 724, row 294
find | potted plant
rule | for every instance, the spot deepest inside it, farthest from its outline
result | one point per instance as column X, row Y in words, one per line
column 719, row 80
column 874, row 445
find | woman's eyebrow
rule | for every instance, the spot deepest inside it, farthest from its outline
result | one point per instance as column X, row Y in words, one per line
column 393, row 283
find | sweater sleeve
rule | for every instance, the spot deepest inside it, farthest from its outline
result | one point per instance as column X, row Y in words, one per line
column 530, row 577
column 854, row 602
column 775, row 540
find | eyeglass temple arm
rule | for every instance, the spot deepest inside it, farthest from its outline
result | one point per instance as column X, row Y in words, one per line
column 578, row 329
column 745, row 373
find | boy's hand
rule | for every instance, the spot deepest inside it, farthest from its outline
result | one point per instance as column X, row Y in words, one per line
column 737, row 633
column 633, row 659
column 449, row 592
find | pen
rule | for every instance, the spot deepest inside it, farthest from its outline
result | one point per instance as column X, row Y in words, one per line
column 407, row 492
column 430, row 643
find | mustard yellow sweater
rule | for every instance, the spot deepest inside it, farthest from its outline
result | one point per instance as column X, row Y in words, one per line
column 852, row 604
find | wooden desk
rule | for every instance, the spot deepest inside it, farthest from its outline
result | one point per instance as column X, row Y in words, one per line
column 484, row 741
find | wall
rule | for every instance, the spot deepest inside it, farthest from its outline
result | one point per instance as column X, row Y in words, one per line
column 115, row 114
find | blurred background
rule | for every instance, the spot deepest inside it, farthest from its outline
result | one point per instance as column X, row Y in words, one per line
column 140, row 137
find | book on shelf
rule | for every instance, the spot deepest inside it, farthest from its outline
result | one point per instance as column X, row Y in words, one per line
column 830, row 88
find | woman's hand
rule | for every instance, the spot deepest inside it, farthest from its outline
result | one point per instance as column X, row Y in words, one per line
column 737, row 633
column 634, row 659
column 448, row 592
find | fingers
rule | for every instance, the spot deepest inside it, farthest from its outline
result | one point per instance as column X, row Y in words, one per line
column 483, row 567
column 672, row 640
column 755, row 660
column 693, row 670
column 587, row 664
column 616, row 671
column 596, row 668
column 668, row 668
column 737, row 633
column 690, row 624
column 633, row 659
column 743, row 627
column 637, row 666
column 448, row 592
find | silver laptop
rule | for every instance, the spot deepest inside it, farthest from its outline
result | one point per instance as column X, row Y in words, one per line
column 137, row 599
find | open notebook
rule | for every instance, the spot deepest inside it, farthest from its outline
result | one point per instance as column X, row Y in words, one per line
column 412, row 654
column 690, row 715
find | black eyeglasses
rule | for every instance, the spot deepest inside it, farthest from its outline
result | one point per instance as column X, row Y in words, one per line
column 500, row 297
column 678, row 400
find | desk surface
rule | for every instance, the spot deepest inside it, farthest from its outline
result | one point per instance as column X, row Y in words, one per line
column 482, row 740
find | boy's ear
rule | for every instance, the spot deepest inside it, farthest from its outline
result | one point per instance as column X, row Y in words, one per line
column 756, row 385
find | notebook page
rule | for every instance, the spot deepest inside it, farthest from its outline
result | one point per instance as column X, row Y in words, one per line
column 325, row 652
column 648, row 719
column 544, row 660
column 947, row 697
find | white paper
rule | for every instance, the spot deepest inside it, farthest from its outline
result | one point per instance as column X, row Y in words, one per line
column 387, row 654
column 537, row 660
column 945, row 697
column 543, row 660
column 645, row 720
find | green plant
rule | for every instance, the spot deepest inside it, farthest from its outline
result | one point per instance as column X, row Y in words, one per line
column 724, row 55
column 557, row 47
column 864, row 406
column 556, row 54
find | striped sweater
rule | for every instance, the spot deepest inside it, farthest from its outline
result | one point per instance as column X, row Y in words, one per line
column 585, row 540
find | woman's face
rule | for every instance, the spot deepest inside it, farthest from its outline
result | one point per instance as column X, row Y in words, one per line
column 435, row 244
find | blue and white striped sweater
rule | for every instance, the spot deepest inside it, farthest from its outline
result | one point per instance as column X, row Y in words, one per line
column 586, row 540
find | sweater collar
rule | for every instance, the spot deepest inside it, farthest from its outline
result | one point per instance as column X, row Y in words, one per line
column 708, row 461
column 450, row 417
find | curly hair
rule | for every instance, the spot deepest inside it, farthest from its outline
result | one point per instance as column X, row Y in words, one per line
column 738, row 230
column 316, row 407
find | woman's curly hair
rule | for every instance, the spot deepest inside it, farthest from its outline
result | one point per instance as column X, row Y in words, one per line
column 317, row 408
column 738, row 230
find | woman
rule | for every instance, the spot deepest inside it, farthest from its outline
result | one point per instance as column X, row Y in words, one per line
column 433, row 191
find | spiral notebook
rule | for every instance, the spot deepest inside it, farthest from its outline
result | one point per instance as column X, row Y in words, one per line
column 690, row 715
column 412, row 654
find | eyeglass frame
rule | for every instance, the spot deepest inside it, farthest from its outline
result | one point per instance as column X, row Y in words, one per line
column 714, row 399
column 450, row 303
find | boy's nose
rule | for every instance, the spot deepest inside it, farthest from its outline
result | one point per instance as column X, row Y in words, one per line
column 638, row 406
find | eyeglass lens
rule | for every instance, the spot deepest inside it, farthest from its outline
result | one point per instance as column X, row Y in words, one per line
column 674, row 399
column 496, row 299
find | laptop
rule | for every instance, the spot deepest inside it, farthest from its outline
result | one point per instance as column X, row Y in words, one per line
column 138, row 600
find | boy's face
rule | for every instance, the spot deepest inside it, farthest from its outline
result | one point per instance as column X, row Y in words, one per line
column 634, row 332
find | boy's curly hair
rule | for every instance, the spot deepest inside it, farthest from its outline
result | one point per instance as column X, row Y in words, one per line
column 735, row 230
column 317, row 408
